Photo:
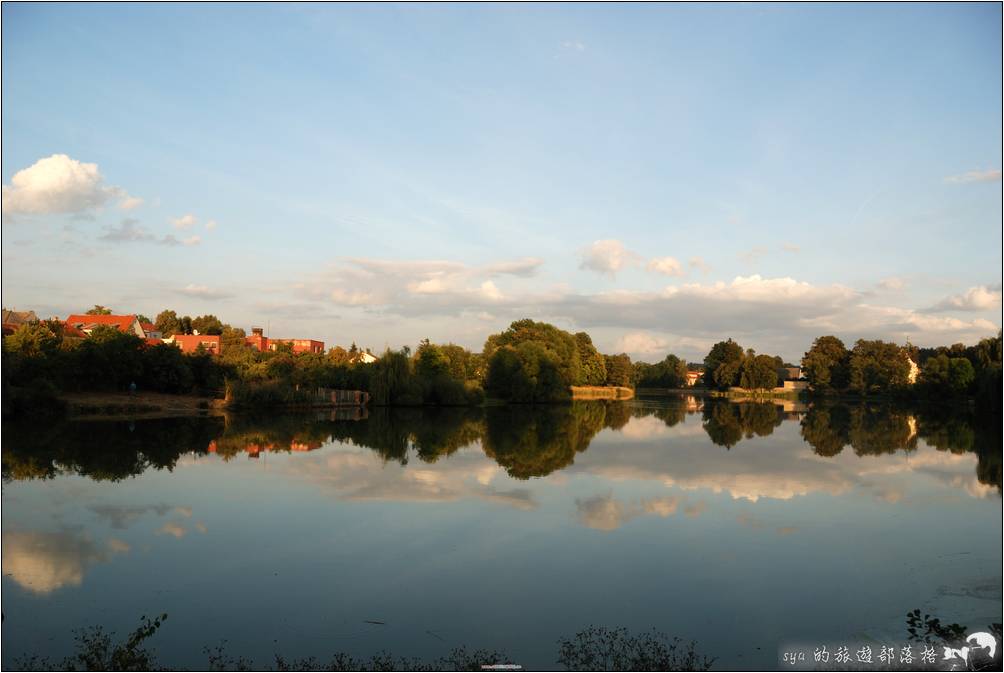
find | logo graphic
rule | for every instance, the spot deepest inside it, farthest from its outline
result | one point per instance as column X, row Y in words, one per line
column 981, row 643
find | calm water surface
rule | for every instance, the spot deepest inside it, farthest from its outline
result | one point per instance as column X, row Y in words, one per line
column 741, row 526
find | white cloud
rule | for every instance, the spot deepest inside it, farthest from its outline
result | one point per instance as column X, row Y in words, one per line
column 211, row 224
column 892, row 283
column 791, row 247
column 186, row 221
column 59, row 184
column 607, row 256
column 573, row 45
column 130, row 202
column 776, row 315
column 979, row 298
column 42, row 562
column 641, row 343
column 202, row 292
column 989, row 175
column 667, row 266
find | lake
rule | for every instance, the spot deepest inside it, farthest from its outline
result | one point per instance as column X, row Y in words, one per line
column 743, row 526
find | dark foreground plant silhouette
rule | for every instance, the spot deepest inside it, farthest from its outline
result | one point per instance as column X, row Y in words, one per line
column 95, row 651
column 596, row 648
column 605, row 649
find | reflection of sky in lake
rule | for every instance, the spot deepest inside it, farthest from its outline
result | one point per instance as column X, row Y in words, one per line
column 651, row 526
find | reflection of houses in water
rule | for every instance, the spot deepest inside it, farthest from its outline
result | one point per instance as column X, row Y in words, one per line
column 254, row 449
column 355, row 413
column 694, row 404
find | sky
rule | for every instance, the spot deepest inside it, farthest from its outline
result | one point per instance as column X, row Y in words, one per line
column 660, row 176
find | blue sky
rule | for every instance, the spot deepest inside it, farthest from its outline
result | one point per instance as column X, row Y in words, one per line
column 661, row 176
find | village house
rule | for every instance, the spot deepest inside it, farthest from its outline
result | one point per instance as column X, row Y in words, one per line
column 693, row 377
column 189, row 343
column 151, row 330
column 14, row 319
column 85, row 324
column 792, row 373
column 260, row 342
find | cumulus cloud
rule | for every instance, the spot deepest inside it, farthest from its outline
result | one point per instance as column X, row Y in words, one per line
column 979, row 298
column 43, row 562
column 186, row 221
column 412, row 287
column 607, row 256
column 989, row 175
column 59, row 184
column 211, row 224
column 642, row 343
column 782, row 315
column 667, row 266
column 573, row 45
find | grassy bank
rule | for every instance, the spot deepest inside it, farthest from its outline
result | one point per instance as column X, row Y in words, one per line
column 601, row 393
column 138, row 405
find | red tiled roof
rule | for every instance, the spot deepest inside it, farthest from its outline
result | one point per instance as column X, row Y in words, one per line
column 149, row 327
column 119, row 322
column 71, row 331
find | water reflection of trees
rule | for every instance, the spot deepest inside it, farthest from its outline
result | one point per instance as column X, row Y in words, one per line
column 526, row 441
column 884, row 429
column 727, row 423
column 102, row 450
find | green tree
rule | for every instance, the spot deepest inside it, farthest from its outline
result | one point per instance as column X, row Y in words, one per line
column 942, row 375
column 878, row 367
column 593, row 367
column 430, row 361
column 723, row 364
column 827, row 364
column 99, row 310
column 559, row 342
column 207, row 324
column 619, row 369
column 759, row 372
column 670, row 373
column 33, row 340
column 168, row 324
column 392, row 381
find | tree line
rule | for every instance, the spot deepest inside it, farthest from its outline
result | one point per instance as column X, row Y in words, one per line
column 529, row 362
